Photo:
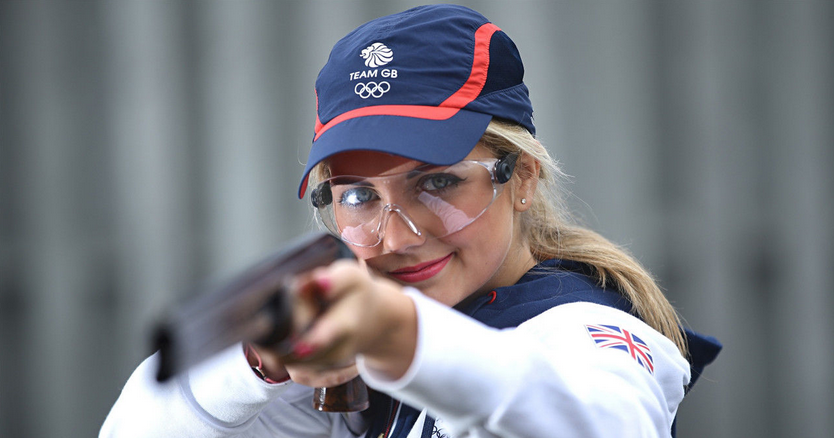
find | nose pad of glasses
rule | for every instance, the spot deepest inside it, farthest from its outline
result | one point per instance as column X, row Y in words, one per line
column 388, row 211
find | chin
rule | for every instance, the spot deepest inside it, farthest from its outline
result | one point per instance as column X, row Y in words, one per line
column 449, row 296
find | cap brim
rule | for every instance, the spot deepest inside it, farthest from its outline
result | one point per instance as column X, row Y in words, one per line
column 439, row 142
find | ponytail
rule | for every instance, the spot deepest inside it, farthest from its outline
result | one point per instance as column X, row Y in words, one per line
column 552, row 233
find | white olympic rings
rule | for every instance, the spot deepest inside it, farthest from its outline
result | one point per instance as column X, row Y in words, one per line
column 371, row 89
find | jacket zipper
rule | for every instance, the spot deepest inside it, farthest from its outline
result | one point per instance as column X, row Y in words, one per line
column 395, row 404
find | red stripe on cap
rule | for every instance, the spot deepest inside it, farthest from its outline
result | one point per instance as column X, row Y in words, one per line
column 417, row 111
column 303, row 186
column 480, row 66
column 318, row 122
column 467, row 93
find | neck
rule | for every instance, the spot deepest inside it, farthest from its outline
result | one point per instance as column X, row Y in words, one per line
column 517, row 262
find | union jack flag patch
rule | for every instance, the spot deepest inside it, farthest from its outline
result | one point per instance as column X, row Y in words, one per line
column 611, row 336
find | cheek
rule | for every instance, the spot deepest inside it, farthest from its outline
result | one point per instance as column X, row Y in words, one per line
column 363, row 253
column 496, row 224
column 485, row 243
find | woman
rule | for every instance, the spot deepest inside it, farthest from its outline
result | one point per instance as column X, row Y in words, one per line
column 477, row 307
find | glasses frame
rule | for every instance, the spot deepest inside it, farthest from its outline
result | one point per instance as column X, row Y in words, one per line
column 500, row 171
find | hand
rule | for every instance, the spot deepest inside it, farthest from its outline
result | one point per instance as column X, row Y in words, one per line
column 271, row 364
column 321, row 378
column 362, row 314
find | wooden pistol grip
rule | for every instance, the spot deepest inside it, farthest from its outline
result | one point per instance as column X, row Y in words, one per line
column 347, row 397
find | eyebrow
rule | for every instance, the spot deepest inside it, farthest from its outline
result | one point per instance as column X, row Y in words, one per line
column 420, row 169
column 352, row 180
column 363, row 180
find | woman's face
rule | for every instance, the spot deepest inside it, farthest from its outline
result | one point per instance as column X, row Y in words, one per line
column 486, row 254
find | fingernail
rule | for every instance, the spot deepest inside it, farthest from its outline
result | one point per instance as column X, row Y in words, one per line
column 302, row 350
column 323, row 283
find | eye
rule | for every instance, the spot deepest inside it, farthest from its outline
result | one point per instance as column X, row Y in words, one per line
column 357, row 196
column 438, row 181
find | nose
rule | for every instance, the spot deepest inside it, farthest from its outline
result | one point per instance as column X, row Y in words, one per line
column 399, row 232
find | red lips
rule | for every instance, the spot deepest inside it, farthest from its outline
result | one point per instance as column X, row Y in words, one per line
column 421, row 272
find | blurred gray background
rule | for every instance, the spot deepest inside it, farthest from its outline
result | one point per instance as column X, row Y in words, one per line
column 147, row 146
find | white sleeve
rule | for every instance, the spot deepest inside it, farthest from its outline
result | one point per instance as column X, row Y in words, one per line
column 219, row 398
column 545, row 375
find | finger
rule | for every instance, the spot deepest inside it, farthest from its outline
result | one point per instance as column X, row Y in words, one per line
column 308, row 302
column 322, row 378
column 326, row 343
column 354, row 298
column 313, row 292
column 338, row 278
column 329, row 340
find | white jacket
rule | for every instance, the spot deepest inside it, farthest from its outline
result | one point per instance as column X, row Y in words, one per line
column 547, row 377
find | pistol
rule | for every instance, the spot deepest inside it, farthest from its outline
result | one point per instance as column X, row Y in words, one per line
column 254, row 306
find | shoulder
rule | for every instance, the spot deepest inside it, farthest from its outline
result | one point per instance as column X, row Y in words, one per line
column 580, row 320
column 606, row 339
column 550, row 284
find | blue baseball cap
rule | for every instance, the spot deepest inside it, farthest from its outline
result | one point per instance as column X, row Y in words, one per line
column 422, row 84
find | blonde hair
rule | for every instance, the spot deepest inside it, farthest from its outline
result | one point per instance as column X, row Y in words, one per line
column 552, row 232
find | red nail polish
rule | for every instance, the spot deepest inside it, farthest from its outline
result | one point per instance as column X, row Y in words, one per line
column 302, row 350
column 323, row 283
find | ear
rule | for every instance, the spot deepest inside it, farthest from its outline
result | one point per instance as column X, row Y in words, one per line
column 527, row 179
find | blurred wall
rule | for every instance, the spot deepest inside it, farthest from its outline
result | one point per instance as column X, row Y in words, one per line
column 146, row 146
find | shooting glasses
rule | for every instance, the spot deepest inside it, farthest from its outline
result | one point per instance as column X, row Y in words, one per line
column 431, row 200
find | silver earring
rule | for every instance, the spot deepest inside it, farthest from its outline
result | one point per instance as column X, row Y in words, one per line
column 523, row 200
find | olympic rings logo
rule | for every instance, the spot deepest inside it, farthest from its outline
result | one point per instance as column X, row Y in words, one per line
column 371, row 89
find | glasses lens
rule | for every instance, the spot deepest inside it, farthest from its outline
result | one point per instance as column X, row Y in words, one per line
column 435, row 201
